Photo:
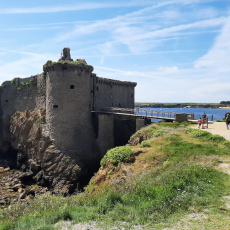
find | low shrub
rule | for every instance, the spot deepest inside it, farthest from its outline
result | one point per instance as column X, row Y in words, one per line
column 173, row 124
column 216, row 138
column 204, row 135
column 169, row 124
column 22, row 83
column 145, row 144
column 226, row 143
column 199, row 133
column 117, row 155
column 19, row 88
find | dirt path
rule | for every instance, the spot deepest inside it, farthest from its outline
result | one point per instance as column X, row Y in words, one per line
column 217, row 128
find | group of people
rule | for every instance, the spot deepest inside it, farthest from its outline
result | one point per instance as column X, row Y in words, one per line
column 227, row 120
column 200, row 120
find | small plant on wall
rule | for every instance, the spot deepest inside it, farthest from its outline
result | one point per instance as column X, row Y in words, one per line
column 13, row 81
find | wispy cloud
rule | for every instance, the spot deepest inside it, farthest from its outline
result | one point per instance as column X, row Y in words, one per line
column 34, row 28
column 74, row 7
column 218, row 57
column 199, row 24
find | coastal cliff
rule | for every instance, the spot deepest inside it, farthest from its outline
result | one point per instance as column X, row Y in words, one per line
column 44, row 163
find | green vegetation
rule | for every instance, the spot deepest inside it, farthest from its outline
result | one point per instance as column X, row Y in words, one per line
column 225, row 102
column 145, row 144
column 53, row 63
column 19, row 88
column 204, row 135
column 22, row 83
column 176, row 176
column 13, row 81
column 117, row 155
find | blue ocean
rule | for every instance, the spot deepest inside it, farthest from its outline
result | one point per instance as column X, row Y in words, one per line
column 218, row 114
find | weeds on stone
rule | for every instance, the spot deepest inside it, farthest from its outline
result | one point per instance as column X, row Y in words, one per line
column 13, row 81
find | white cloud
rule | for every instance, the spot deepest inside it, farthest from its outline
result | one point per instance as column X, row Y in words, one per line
column 167, row 31
column 218, row 57
column 74, row 7
column 173, row 69
column 34, row 28
column 24, row 67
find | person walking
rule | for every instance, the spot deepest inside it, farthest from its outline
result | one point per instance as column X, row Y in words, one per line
column 227, row 120
column 199, row 123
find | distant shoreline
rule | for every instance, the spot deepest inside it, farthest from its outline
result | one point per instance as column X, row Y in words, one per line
column 181, row 105
column 228, row 107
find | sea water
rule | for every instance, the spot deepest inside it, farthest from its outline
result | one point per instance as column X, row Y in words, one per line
column 218, row 114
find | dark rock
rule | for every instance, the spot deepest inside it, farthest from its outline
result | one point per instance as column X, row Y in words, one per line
column 34, row 167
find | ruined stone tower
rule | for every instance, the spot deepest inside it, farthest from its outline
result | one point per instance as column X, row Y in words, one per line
column 68, row 140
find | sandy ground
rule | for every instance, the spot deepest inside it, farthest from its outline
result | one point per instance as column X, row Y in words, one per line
column 218, row 128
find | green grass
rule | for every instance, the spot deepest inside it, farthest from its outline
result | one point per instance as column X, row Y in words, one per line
column 156, row 198
column 204, row 135
column 145, row 144
column 117, row 155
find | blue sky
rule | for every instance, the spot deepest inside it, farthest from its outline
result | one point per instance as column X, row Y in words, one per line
column 176, row 50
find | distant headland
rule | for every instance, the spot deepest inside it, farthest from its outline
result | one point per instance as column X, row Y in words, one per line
column 221, row 105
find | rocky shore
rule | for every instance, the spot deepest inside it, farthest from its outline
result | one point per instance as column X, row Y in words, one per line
column 14, row 189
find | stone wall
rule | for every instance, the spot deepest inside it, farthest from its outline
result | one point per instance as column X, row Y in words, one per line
column 68, row 109
column 66, row 93
column 113, row 93
column 16, row 95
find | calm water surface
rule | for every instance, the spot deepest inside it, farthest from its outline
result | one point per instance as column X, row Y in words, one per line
column 218, row 114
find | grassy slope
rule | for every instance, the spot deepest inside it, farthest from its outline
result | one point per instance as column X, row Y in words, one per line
column 180, row 179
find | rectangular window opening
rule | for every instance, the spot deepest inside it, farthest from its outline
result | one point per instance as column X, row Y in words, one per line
column 55, row 106
column 6, row 100
column 71, row 86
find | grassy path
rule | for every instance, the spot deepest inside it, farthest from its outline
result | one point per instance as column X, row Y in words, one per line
column 217, row 128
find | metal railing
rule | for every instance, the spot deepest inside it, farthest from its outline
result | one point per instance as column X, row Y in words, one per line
column 139, row 112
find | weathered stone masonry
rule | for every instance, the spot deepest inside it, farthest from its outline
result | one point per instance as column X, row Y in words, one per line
column 60, row 101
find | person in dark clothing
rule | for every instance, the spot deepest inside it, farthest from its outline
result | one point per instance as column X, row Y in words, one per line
column 227, row 120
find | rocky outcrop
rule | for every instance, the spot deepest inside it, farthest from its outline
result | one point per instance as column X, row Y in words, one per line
column 12, row 188
column 43, row 163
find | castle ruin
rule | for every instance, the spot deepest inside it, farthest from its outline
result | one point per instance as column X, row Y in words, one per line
column 47, row 124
